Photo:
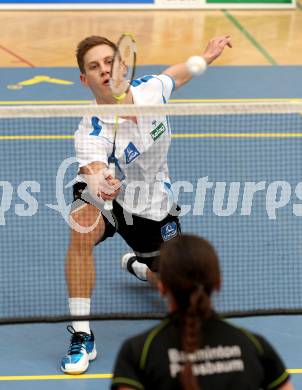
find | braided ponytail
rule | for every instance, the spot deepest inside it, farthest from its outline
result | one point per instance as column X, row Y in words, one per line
column 198, row 310
column 189, row 268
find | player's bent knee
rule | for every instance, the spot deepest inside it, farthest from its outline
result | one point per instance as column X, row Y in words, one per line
column 87, row 226
column 86, row 219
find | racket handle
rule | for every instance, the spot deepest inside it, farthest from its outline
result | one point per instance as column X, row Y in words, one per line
column 108, row 203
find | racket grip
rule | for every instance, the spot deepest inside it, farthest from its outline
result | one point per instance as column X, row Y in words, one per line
column 108, row 203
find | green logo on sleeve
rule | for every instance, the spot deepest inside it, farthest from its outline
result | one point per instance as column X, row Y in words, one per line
column 158, row 131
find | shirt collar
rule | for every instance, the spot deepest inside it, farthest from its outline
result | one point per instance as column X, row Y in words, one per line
column 110, row 119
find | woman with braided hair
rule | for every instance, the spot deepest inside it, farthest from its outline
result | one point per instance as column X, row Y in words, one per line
column 192, row 348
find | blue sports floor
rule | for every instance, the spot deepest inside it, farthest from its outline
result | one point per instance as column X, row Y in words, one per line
column 30, row 353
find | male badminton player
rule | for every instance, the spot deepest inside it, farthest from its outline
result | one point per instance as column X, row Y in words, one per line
column 141, row 154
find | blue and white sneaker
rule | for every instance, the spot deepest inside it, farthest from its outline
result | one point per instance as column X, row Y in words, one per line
column 130, row 264
column 82, row 349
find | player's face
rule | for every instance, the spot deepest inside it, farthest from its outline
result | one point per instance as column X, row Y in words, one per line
column 97, row 65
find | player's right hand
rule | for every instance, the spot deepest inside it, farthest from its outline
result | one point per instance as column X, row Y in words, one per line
column 108, row 187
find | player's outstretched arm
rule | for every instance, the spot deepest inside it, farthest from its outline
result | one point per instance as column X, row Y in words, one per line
column 183, row 72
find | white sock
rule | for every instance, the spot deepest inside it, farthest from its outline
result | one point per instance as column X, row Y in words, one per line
column 80, row 307
column 140, row 269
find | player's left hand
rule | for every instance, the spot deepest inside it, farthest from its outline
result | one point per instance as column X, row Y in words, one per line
column 215, row 47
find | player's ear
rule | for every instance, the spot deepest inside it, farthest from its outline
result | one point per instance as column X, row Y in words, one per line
column 161, row 287
column 83, row 79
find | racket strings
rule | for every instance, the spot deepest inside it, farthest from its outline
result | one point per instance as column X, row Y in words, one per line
column 123, row 67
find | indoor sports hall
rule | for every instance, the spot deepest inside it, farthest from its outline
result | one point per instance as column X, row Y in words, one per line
column 236, row 160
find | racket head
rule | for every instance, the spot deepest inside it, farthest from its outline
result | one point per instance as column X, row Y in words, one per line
column 123, row 66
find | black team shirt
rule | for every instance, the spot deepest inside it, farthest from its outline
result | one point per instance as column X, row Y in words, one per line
column 230, row 358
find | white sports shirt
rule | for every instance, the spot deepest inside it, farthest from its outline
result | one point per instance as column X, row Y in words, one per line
column 141, row 150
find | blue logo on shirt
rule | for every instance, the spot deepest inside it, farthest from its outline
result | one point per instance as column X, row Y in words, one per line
column 131, row 153
column 169, row 230
column 137, row 82
column 97, row 127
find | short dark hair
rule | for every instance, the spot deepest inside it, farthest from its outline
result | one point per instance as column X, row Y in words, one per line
column 88, row 43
